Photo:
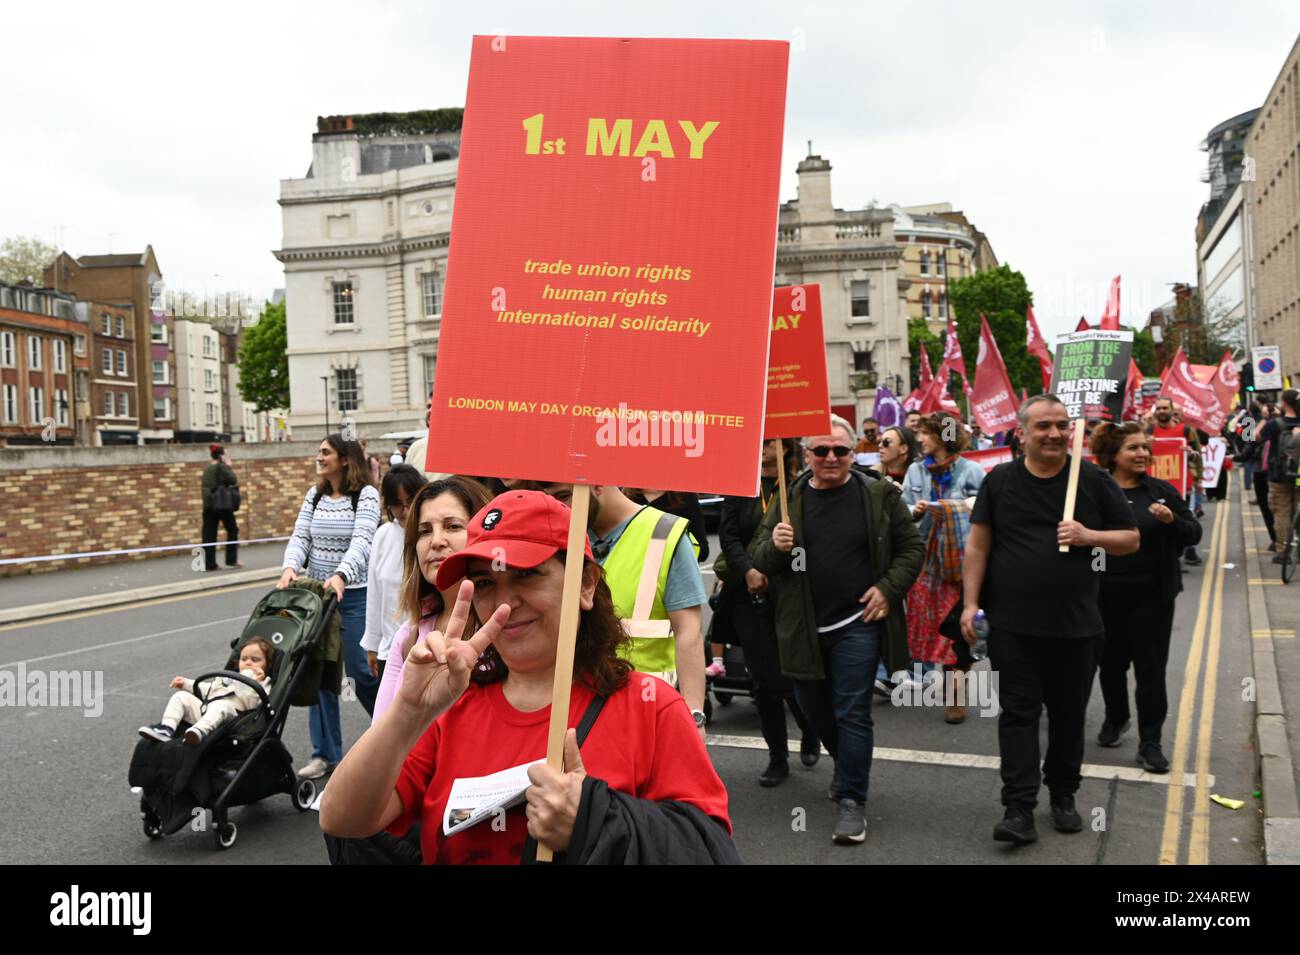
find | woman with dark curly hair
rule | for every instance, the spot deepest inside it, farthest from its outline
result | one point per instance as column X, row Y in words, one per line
column 642, row 788
column 1138, row 592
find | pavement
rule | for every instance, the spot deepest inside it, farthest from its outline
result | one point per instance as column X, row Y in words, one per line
column 934, row 788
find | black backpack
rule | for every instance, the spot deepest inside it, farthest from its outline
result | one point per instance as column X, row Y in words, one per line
column 355, row 496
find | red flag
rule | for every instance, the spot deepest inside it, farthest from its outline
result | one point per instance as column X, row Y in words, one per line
column 993, row 400
column 1226, row 382
column 936, row 398
column 1083, row 324
column 1110, row 317
column 1038, row 347
column 1198, row 402
column 952, row 359
column 926, row 374
column 1133, row 391
column 913, row 401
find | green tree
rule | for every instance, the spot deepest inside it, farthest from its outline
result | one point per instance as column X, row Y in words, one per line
column 919, row 336
column 1003, row 297
column 23, row 259
column 1144, row 352
column 264, row 361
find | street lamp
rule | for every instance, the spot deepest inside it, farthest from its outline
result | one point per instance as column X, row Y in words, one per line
column 325, row 383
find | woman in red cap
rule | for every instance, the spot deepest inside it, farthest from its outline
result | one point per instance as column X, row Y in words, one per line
column 638, row 788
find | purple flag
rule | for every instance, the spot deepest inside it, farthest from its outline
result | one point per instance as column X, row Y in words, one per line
column 888, row 411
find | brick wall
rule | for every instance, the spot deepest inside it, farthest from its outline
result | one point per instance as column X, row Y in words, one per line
column 74, row 500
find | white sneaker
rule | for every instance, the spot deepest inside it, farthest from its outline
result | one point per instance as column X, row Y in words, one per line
column 315, row 768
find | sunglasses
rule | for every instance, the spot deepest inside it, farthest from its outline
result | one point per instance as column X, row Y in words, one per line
column 887, row 443
column 840, row 451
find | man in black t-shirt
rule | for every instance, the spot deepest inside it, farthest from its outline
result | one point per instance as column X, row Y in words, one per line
column 1042, row 607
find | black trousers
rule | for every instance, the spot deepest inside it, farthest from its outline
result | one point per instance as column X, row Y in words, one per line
column 1138, row 628
column 1033, row 673
column 1260, row 481
column 773, row 690
column 227, row 519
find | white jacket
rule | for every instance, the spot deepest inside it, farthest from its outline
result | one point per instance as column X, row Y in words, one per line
column 222, row 688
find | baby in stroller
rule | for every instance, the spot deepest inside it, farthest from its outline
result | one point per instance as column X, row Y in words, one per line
column 226, row 697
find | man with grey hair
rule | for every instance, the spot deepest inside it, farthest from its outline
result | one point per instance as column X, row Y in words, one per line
column 839, row 571
column 1042, row 607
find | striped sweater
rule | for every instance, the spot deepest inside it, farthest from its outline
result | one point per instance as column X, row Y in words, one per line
column 333, row 539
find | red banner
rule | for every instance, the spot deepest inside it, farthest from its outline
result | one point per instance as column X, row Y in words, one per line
column 990, row 458
column 952, row 359
column 993, row 400
column 798, row 394
column 1227, row 382
column 1133, row 393
column 589, row 305
column 1197, row 400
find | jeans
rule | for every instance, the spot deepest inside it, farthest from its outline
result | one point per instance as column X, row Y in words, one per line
column 839, row 706
column 323, row 718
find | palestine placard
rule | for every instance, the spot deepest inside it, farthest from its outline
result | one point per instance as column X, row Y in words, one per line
column 1091, row 373
column 798, row 391
column 590, row 305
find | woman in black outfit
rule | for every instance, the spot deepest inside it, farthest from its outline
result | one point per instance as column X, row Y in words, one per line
column 745, row 608
column 1138, row 592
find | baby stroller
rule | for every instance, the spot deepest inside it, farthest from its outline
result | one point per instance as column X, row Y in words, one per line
column 736, row 681
column 243, row 760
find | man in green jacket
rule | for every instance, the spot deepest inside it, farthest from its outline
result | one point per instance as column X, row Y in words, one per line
column 839, row 572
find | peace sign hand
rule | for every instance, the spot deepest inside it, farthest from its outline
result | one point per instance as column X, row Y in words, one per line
column 438, row 666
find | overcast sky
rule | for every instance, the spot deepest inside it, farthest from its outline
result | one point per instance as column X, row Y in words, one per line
column 1068, row 132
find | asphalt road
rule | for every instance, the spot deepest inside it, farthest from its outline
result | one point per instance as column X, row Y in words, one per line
column 934, row 787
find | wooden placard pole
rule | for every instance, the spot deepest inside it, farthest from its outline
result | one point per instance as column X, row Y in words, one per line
column 570, row 612
column 780, row 480
column 1072, row 489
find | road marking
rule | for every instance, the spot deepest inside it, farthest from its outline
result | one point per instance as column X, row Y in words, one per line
column 1264, row 582
column 118, row 643
column 1273, row 634
column 148, row 602
column 1198, row 847
column 1172, row 833
column 1130, row 774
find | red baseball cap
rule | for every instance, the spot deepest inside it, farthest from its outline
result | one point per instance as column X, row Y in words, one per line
column 525, row 528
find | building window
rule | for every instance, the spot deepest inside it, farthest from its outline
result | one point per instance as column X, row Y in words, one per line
column 345, row 387
column 108, row 404
column 108, row 361
column 33, row 351
column 121, row 327
column 81, row 385
column 158, row 334
column 121, row 362
column 79, row 344
column 11, row 404
column 7, row 349
column 124, row 404
column 860, row 293
column 941, row 262
column 160, row 372
column 925, row 304
column 207, row 380
column 943, row 305
column 925, row 262
column 162, row 409
column 61, row 406
column 431, row 286
column 36, row 405
column 209, row 350
column 105, row 324
column 430, row 362
column 60, row 355
column 343, row 303
column 212, row 413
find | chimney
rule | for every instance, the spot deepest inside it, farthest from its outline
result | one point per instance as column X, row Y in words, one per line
column 815, row 189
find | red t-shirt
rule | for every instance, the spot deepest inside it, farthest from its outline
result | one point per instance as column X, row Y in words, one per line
column 644, row 744
column 1169, row 431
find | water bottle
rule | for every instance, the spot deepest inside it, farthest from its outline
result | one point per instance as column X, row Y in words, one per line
column 980, row 650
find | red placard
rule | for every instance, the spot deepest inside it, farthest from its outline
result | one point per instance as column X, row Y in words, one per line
column 1169, row 462
column 591, row 302
column 798, row 392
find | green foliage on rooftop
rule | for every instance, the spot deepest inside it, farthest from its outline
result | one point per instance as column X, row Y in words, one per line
column 415, row 123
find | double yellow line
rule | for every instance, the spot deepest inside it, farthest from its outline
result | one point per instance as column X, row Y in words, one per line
column 1209, row 619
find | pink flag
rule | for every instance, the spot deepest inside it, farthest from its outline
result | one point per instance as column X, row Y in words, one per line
column 1038, row 348
column 993, row 400
column 1198, row 402
column 952, row 359
column 1110, row 317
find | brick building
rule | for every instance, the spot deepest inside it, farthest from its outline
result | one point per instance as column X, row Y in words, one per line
column 134, row 279
column 43, row 346
column 116, row 391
